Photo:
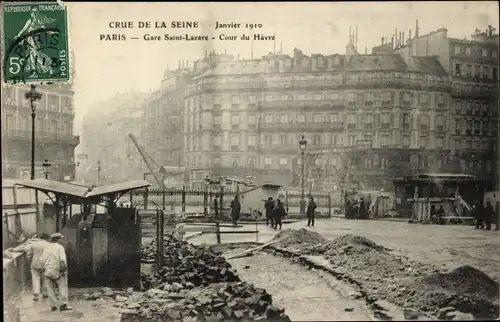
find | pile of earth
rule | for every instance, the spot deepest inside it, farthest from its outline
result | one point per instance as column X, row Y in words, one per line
column 303, row 241
column 410, row 284
column 465, row 289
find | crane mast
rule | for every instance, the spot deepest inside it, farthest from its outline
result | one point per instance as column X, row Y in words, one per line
column 149, row 162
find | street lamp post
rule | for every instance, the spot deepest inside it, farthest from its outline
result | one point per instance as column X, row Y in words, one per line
column 302, row 144
column 98, row 171
column 32, row 95
column 46, row 166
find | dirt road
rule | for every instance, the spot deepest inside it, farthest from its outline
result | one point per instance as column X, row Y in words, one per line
column 306, row 295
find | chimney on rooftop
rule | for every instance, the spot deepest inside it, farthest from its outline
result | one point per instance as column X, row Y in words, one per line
column 382, row 41
column 416, row 29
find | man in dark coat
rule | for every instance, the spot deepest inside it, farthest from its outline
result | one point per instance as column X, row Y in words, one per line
column 269, row 205
column 279, row 213
column 489, row 214
column 235, row 210
column 363, row 214
column 311, row 209
column 478, row 214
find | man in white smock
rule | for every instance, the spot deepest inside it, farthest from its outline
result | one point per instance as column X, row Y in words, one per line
column 34, row 249
column 56, row 273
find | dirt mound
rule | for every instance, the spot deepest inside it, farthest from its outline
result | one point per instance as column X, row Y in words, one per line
column 302, row 240
column 465, row 280
column 350, row 239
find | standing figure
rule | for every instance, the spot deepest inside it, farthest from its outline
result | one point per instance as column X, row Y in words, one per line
column 433, row 214
column 34, row 250
column 362, row 212
column 311, row 209
column 235, row 210
column 278, row 213
column 269, row 205
column 478, row 215
column 440, row 214
column 56, row 273
column 489, row 214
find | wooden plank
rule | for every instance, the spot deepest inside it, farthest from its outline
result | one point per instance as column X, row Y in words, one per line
column 255, row 249
column 191, row 229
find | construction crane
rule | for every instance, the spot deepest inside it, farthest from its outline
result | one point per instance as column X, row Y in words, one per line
column 156, row 171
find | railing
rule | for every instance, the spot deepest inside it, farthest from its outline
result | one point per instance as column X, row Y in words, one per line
column 309, row 126
column 197, row 201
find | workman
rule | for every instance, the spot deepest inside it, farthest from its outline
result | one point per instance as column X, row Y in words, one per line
column 311, row 211
column 55, row 267
column 269, row 206
column 235, row 210
column 34, row 249
column 489, row 215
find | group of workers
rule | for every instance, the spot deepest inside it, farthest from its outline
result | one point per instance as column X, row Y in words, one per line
column 484, row 216
column 275, row 212
column 49, row 268
column 356, row 210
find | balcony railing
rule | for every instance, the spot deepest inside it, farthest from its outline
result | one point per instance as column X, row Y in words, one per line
column 316, row 104
column 308, row 126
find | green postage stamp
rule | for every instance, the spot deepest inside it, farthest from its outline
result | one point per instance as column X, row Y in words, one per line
column 35, row 43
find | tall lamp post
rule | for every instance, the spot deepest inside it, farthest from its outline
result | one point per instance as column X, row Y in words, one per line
column 302, row 144
column 46, row 166
column 32, row 95
column 98, row 171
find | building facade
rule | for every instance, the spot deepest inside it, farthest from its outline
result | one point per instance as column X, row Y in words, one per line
column 110, row 155
column 162, row 126
column 54, row 139
column 474, row 73
column 246, row 118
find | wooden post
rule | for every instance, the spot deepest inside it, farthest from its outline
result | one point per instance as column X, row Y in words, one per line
column 183, row 199
column 217, row 226
column 159, row 236
column 205, row 202
column 146, row 192
column 163, row 192
column 65, row 213
column 58, row 219
column 329, row 206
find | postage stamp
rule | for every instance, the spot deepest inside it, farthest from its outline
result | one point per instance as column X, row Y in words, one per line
column 35, row 43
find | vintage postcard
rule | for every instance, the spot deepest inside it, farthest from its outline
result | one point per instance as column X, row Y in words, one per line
column 238, row 161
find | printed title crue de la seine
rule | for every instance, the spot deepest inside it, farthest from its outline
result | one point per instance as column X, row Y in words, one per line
column 182, row 30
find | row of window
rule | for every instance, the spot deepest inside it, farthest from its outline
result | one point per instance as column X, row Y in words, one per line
column 467, row 51
column 23, row 123
column 468, row 107
column 362, row 98
column 477, row 71
column 337, row 79
column 47, row 102
column 475, row 127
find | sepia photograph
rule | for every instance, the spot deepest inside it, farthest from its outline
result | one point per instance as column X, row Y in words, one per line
column 241, row 161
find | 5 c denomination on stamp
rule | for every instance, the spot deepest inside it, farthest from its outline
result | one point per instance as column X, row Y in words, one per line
column 35, row 43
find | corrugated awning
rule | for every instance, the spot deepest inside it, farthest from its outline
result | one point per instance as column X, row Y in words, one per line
column 117, row 188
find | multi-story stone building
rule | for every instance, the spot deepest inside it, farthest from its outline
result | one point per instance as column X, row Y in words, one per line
column 248, row 116
column 54, row 139
column 473, row 69
column 162, row 131
column 105, row 141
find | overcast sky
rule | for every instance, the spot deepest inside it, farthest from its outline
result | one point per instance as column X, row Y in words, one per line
column 104, row 69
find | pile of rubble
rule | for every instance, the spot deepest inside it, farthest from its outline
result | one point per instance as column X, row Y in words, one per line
column 185, row 263
column 195, row 283
column 302, row 240
column 465, row 289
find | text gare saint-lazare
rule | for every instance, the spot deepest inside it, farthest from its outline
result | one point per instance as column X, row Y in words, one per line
column 179, row 25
